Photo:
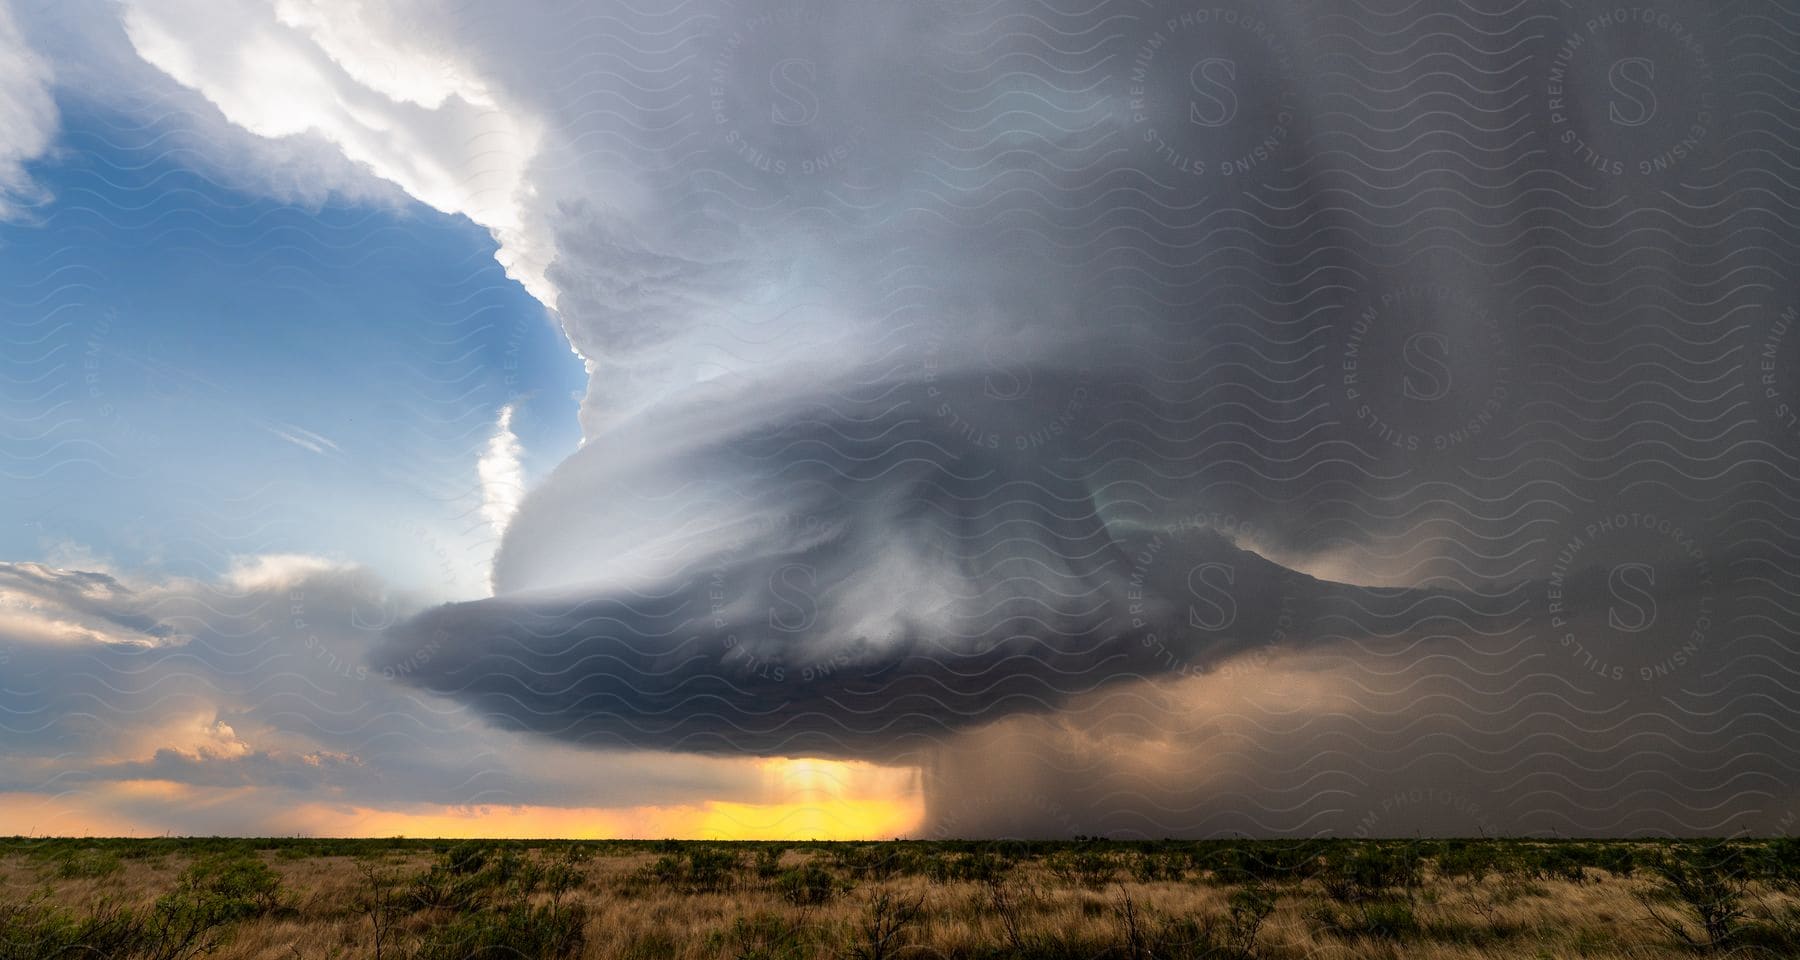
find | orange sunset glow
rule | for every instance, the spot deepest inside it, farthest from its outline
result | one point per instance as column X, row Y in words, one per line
column 802, row 799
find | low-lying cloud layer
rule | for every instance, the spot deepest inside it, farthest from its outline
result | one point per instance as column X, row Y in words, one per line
column 848, row 579
column 261, row 682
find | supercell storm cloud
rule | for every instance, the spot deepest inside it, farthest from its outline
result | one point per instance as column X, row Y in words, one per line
column 1141, row 417
column 1064, row 346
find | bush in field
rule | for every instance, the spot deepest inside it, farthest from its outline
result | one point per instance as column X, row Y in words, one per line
column 699, row 869
column 36, row 930
column 1780, row 863
column 1553, row 862
column 668, row 870
column 1710, row 881
column 89, row 863
column 1467, row 861
column 977, row 867
column 465, row 859
column 1617, row 859
column 188, row 923
column 884, row 927
column 506, row 905
column 1154, row 867
column 1371, row 885
column 1352, row 873
column 381, row 899
column 876, row 861
column 1018, row 904
column 808, row 886
column 1088, row 868
column 233, row 887
column 469, row 877
column 462, row 879
column 1268, row 861
column 192, row 920
column 1228, row 936
column 1232, row 936
column 761, row 937
column 709, row 868
column 1389, row 919
column 563, row 873
column 517, row 932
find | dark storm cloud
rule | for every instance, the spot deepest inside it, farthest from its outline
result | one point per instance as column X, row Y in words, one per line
column 913, row 401
column 850, row 579
column 1458, row 716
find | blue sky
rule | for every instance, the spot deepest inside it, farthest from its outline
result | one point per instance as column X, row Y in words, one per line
column 221, row 373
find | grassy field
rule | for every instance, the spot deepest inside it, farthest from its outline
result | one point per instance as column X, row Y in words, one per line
column 172, row 899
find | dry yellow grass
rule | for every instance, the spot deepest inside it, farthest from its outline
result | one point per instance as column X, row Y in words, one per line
column 628, row 916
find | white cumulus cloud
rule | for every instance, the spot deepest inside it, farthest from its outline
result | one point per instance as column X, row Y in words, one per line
column 27, row 113
column 365, row 80
column 502, row 475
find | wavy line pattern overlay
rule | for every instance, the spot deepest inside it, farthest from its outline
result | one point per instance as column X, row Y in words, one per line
column 1138, row 417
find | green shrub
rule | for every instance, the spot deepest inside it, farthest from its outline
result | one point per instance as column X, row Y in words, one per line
column 190, row 921
column 1154, row 867
column 1389, row 919
column 699, row 869
column 1780, row 863
column 1710, row 880
column 1088, row 868
column 1553, row 862
column 1469, row 861
column 884, row 927
column 439, row 889
column 89, row 863
column 519, row 932
column 977, row 867
column 468, row 877
column 709, row 868
column 233, row 886
column 33, row 929
column 1237, row 863
column 1352, row 873
column 808, row 886
column 876, row 861
column 465, row 858
column 1617, row 859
